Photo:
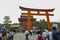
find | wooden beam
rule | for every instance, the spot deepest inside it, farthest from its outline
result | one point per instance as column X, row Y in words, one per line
column 31, row 9
column 42, row 14
column 38, row 14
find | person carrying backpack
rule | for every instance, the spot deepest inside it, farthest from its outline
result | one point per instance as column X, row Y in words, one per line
column 54, row 33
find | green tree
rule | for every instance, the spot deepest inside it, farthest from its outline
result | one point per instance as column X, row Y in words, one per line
column 43, row 23
column 7, row 21
column 36, row 23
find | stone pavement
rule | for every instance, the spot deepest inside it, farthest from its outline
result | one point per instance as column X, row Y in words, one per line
column 21, row 36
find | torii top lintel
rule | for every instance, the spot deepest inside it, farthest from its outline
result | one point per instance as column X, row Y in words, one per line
column 24, row 8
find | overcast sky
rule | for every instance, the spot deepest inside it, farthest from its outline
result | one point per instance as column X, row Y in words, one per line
column 11, row 8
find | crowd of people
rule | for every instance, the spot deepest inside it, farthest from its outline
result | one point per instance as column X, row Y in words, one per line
column 44, row 34
column 6, row 34
column 41, row 34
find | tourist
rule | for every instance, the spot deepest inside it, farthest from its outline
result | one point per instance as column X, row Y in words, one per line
column 11, row 35
column 50, row 35
column 0, row 35
column 26, row 34
column 44, row 35
column 31, row 32
column 4, row 32
column 40, row 36
column 58, row 35
column 54, row 33
column 47, row 33
column 7, row 35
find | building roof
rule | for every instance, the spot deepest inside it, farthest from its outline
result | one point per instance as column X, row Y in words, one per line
column 26, row 17
column 15, row 25
column 55, row 22
column 23, row 17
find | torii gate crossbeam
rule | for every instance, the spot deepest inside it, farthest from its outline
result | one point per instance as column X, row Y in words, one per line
column 38, row 13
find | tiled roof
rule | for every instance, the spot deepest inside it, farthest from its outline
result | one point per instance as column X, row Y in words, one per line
column 26, row 17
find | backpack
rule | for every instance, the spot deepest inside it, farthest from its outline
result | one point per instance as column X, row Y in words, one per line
column 40, row 37
column 54, row 34
column 58, row 35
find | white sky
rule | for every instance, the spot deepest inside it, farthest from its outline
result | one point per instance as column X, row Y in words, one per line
column 11, row 8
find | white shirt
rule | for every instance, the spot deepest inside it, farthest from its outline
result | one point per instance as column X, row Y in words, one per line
column 11, row 33
column 47, row 32
column 44, row 34
column 7, row 34
column 50, row 35
column 26, row 32
column 31, row 30
column 0, row 34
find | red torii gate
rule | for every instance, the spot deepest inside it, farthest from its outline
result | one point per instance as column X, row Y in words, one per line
column 38, row 13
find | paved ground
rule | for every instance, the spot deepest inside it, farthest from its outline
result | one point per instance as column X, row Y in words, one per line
column 21, row 36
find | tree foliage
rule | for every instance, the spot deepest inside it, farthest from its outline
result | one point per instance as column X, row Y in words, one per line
column 36, row 23
column 41, row 23
column 7, row 21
